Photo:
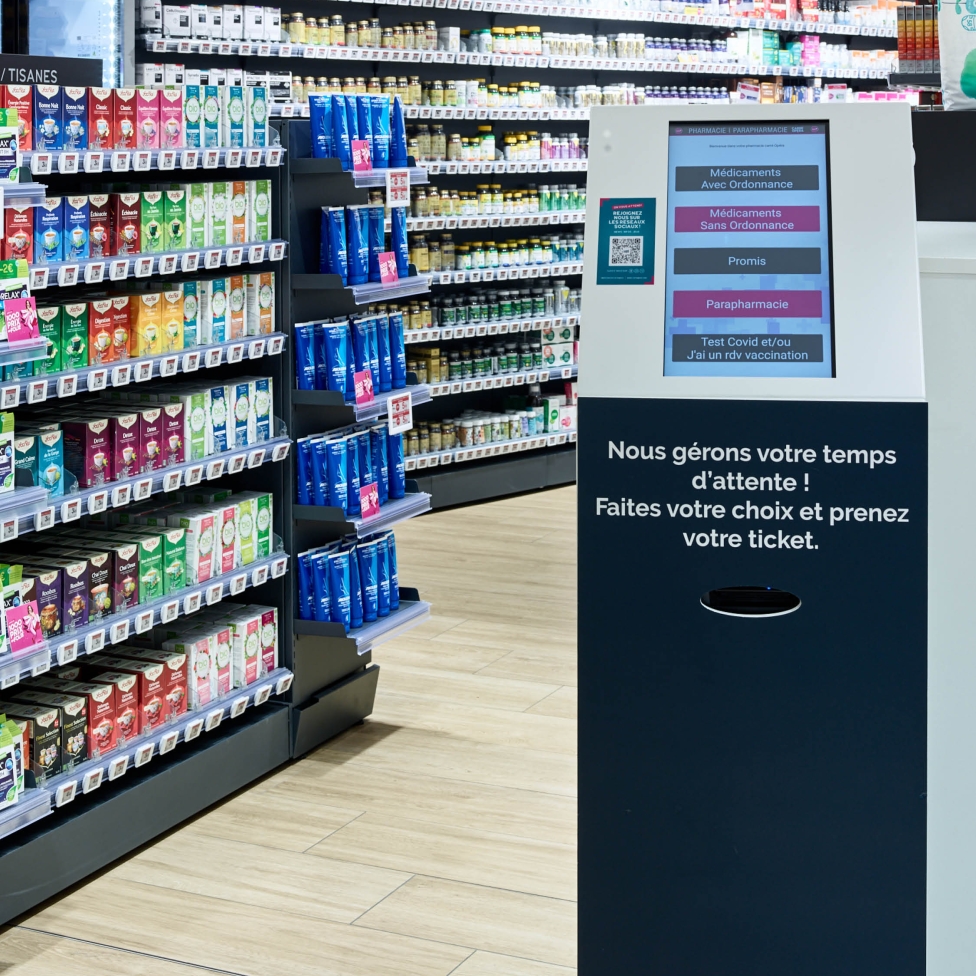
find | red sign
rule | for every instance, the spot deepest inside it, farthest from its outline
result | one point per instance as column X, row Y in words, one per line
column 364, row 386
column 400, row 411
column 388, row 268
column 369, row 500
column 398, row 188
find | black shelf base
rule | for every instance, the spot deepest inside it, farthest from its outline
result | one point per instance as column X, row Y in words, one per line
column 333, row 710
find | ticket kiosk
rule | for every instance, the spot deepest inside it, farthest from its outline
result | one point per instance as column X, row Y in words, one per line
column 752, row 545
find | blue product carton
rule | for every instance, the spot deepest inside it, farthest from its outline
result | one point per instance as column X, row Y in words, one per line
column 49, row 230
column 48, row 117
column 77, row 226
column 74, row 114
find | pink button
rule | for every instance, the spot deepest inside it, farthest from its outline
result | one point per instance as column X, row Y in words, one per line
column 748, row 304
column 745, row 219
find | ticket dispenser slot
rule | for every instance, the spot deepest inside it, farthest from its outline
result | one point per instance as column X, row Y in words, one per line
column 750, row 601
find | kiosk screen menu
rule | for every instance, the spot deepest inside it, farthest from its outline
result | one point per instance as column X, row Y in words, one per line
column 748, row 280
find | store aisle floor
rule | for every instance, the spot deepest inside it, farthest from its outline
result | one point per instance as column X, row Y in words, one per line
column 439, row 837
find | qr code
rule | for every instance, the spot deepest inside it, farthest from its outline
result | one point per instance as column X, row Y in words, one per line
column 627, row 251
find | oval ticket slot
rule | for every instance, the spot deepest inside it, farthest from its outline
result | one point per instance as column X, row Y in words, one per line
column 237, row 706
column 750, row 601
column 213, row 719
column 168, row 742
column 117, row 767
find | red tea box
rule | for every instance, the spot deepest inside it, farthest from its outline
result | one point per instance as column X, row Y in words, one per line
column 99, row 226
column 21, row 97
column 126, row 217
column 100, row 348
column 147, row 118
column 124, row 118
column 121, row 333
column 101, row 118
column 18, row 232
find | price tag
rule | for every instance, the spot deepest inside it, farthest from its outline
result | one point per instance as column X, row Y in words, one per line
column 262, row 695
column 168, row 365
column 214, row 593
column 68, row 275
column 213, row 719
column 37, row 391
column 41, row 668
column 9, row 681
column 94, row 162
column 119, row 631
column 189, row 261
column 9, row 529
column 192, row 730
column 238, row 584
column 67, row 652
column 143, row 266
column 284, row 683
column 172, row 480
column 95, row 641
column 236, row 464
column 117, row 767
column 169, row 611
column 191, row 362
column 211, row 260
column 167, row 264
column 233, row 158
column 234, row 256
column 193, row 475
column 40, row 164
column 118, row 270
column 144, row 620
column 168, row 742
column 38, row 278
column 255, row 254
column 143, row 754
column 259, row 575
column 278, row 567
column 400, row 412
column 276, row 251
column 275, row 345
column 92, row 780
column 71, row 510
column 213, row 357
column 10, row 397
column 280, row 451
column 188, row 158
column 97, row 380
column 65, row 793
column 256, row 349
column 121, row 374
column 44, row 519
column 142, row 489
column 120, row 162
column 192, row 602
column 142, row 371
column 142, row 161
column 215, row 469
column 97, row 502
column 94, row 272
column 272, row 157
column 256, row 458
column 253, row 158
column 235, row 353
column 166, row 159
column 211, row 158
column 237, row 706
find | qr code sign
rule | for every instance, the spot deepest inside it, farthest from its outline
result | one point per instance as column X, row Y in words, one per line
column 626, row 252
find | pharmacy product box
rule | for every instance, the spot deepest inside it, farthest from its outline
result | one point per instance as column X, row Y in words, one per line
column 125, row 441
column 121, row 326
column 213, row 315
column 87, row 453
column 259, row 303
column 241, row 432
column 18, row 231
column 237, row 218
column 262, row 406
column 196, row 411
column 170, row 118
column 72, row 719
column 101, row 705
column 74, row 335
column 215, row 18
column 256, row 115
column 48, row 117
column 74, row 110
column 218, row 424
column 245, row 647
column 236, row 325
column 77, row 227
column 172, row 433
column 101, row 118
column 172, row 320
column 201, row 528
column 200, row 680
column 558, row 332
column 174, row 209
column 146, row 318
column 147, row 118
column 99, row 226
column 272, row 23
column 49, row 325
column 150, row 75
column 218, row 213
column 150, row 438
column 191, row 307
column 152, row 221
column 126, row 217
column 246, row 528
column 550, row 410
column 21, row 98
column 253, row 23
column 100, row 328
column 174, row 672
column 177, row 21
column 557, row 354
column 567, row 418
column 232, row 115
column 124, row 118
column 449, row 39
column 197, row 214
column 150, row 679
column 42, row 725
column 269, row 639
column 263, row 514
column 192, row 116
column 174, row 76
column 199, row 21
column 259, row 210
column 210, row 127
column 49, row 230
column 233, row 22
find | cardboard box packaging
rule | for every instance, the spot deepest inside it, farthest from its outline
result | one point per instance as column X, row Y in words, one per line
column 196, row 196
column 210, row 127
column 121, row 326
column 125, row 441
column 43, row 735
column 170, row 118
column 150, row 438
column 151, row 682
column 101, row 118
column 49, row 325
column 49, row 230
column 236, row 325
column 255, row 115
column 192, row 116
column 177, row 21
column 246, row 647
column 232, row 112
column 201, row 539
column 259, row 210
column 77, row 227
column 213, row 315
column 218, row 423
column 152, row 222
column 87, row 452
column 146, row 317
column 74, row 335
column 72, row 719
column 190, row 311
column 18, row 232
column 99, row 226
column 74, row 112
column 233, row 22
column 200, row 680
column 172, row 320
column 48, row 117
column 147, row 118
column 237, row 217
column 218, row 212
column 260, row 304
column 124, row 118
column 174, row 209
column 126, row 215
column 21, row 98
column 100, row 701
column 173, row 433
column 100, row 328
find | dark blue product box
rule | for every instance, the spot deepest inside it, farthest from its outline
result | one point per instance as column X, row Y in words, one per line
column 48, row 117
column 48, row 231
column 75, row 116
column 76, row 227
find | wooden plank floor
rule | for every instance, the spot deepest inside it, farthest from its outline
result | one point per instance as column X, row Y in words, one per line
column 439, row 837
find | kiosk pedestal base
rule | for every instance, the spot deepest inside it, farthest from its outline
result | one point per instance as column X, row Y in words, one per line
column 753, row 794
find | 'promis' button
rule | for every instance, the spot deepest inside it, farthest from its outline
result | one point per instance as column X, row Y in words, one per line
column 748, row 304
column 746, row 260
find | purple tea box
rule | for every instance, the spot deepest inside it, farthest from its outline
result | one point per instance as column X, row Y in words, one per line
column 87, row 451
column 150, row 438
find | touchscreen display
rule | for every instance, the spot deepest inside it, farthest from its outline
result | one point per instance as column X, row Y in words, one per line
column 748, row 277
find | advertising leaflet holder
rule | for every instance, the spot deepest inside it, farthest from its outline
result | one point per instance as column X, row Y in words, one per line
column 752, row 542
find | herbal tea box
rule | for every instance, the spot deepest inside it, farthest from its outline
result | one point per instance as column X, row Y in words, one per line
column 126, row 217
column 172, row 320
column 237, row 223
column 124, row 118
column 74, row 335
column 48, row 117
column 100, row 118
column 99, row 226
column 218, row 212
column 259, row 210
column 74, row 110
column 210, row 126
column 218, row 424
column 190, row 311
column 232, row 113
column 213, row 311
column 200, row 525
column 152, row 221
column 100, row 327
column 21, row 99
column 49, row 230
column 259, row 303
column 196, row 201
column 170, row 118
column 236, row 325
column 147, row 118
column 49, row 326
column 146, row 316
column 18, row 231
column 255, row 115
column 121, row 326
